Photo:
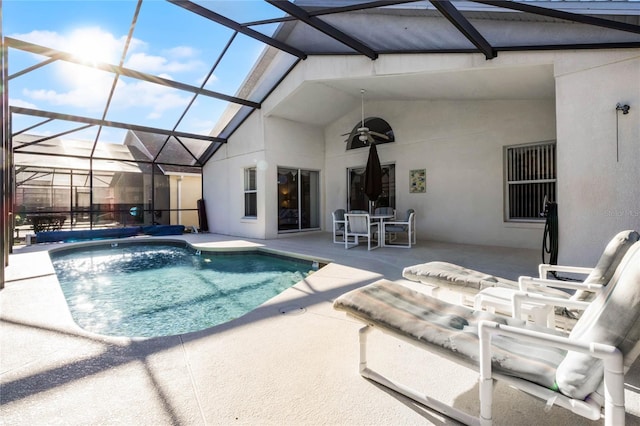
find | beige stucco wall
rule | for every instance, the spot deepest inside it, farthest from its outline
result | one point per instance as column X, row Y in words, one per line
column 288, row 144
column 598, row 196
column 223, row 182
column 460, row 144
column 189, row 193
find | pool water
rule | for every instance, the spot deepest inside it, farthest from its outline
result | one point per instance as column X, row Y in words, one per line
column 145, row 290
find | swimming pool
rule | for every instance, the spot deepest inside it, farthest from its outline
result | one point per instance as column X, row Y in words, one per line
column 161, row 289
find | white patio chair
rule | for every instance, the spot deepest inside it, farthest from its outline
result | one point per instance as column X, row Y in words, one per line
column 338, row 224
column 359, row 226
column 583, row 372
column 380, row 211
column 394, row 227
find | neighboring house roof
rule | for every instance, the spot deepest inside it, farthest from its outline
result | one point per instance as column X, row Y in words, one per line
column 174, row 155
column 66, row 155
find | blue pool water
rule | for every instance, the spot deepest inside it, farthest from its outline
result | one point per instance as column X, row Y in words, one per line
column 147, row 290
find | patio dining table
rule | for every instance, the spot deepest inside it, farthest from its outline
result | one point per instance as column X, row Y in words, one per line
column 381, row 217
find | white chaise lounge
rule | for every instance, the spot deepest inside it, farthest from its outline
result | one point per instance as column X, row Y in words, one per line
column 496, row 292
column 583, row 372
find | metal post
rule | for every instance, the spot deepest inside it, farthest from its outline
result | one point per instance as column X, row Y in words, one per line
column 5, row 171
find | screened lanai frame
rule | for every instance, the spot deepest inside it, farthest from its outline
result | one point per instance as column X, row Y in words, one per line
column 174, row 152
column 289, row 30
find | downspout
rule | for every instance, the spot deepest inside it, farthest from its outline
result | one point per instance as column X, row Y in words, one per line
column 179, row 200
column 6, row 171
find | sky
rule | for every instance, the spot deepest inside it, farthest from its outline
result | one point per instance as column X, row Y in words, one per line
column 168, row 42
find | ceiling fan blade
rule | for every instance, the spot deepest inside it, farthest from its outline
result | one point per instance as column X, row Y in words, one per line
column 379, row 135
column 345, row 134
column 370, row 139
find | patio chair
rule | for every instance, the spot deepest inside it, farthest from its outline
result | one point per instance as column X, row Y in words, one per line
column 359, row 225
column 384, row 211
column 583, row 372
column 338, row 224
column 394, row 227
column 496, row 292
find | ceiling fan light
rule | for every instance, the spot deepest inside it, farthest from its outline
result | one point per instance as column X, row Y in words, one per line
column 363, row 137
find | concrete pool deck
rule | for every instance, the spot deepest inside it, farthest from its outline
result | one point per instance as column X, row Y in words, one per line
column 292, row 361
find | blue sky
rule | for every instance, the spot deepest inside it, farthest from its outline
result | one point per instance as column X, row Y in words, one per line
column 168, row 41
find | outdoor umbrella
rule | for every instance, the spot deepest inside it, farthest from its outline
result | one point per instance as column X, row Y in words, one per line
column 373, row 175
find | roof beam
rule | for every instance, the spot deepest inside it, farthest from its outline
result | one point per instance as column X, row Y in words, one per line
column 46, row 138
column 464, row 26
column 19, row 132
column 193, row 99
column 322, row 26
column 116, row 76
column 332, row 10
column 359, row 6
column 107, row 123
column 33, row 68
column 223, row 20
column 571, row 46
column 559, row 14
column 68, row 57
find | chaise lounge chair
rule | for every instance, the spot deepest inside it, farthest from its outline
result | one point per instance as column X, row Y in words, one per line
column 583, row 372
column 496, row 292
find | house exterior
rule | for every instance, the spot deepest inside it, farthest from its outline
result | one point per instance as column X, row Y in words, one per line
column 486, row 110
column 454, row 115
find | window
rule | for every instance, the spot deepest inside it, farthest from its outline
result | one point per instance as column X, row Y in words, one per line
column 381, row 133
column 530, row 174
column 358, row 200
column 250, row 193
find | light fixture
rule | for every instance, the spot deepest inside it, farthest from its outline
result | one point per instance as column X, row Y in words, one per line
column 624, row 108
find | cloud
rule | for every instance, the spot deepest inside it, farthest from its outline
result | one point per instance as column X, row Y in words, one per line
column 145, row 96
column 159, row 64
column 183, row 52
column 87, row 88
column 90, row 43
column 21, row 103
column 212, row 79
column 77, row 86
column 130, row 95
column 201, row 127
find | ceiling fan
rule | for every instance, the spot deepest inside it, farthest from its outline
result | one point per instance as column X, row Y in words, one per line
column 365, row 135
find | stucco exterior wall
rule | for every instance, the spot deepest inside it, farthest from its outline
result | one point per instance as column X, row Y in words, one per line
column 223, row 182
column 460, row 144
column 598, row 194
column 288, row 144
column 265, row 143
column 185, row 193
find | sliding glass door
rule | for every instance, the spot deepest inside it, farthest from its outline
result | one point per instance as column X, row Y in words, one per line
column 298, row 199
column 358, row 200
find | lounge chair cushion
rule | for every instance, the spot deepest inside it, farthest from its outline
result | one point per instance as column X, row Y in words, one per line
column 611, row 257
column 468, row 279
column 462, row 279
column 449, row 329
column 612, row 318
